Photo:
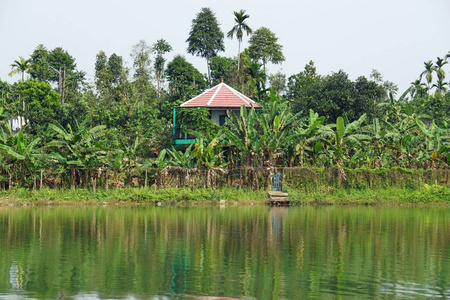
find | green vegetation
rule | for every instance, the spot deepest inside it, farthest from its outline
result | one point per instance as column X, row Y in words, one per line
column 306, row 186
column 118, row 132
column 130, row 196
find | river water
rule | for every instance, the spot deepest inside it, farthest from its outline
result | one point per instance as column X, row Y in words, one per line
column 244, row 252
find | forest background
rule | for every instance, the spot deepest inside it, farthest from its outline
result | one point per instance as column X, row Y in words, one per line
column 123, row 120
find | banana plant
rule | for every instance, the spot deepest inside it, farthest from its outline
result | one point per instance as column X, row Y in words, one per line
column 209, row 156
column 402, row 139
column 79, row 148
column 277, row 123
column 242, row 135
column 377, row 146
column 435, row 141
column 182, row 159
column 347, row 138
column 305, row 136
column 22, row 159
column 209, row 159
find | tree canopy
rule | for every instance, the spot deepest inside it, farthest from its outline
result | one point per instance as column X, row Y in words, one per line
column 205, row 38
column 264, row 47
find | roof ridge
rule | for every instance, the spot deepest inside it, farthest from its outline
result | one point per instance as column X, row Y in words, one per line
column 219, row 86
column 197, row 96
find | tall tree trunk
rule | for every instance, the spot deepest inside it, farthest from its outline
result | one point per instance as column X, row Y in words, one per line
column 63, row 89
column 159, row 84
column 209, row 72
column 239, row 55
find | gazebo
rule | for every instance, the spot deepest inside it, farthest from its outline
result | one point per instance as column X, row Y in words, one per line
column 218, row 99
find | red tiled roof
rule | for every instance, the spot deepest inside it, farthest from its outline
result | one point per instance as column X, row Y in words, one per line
column 221, row 95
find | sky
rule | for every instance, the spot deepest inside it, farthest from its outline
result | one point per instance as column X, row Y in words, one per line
column 394, row 37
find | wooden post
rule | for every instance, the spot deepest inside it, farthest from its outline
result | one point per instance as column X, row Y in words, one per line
column 106, row 179
column 145, row 184
column 40, row 183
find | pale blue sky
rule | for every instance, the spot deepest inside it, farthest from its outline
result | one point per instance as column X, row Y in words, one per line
column 393, row 36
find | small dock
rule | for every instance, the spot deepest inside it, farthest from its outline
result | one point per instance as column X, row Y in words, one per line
column 279, row 198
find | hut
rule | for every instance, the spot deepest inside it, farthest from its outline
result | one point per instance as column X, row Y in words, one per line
column 218, row 99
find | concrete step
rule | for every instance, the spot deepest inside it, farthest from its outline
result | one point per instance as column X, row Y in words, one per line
column 277, row 194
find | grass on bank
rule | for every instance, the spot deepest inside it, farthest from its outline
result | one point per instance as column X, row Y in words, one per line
column 130, row 195
column 427, row 194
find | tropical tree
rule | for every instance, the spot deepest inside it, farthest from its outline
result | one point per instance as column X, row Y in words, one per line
column 259, row 139
column 419, row 89
column 436, row 141
column 160, row 48
column 205, row 38
column 209, row 158
column 440, row 62
column 428, row 73
column 441, row 86
column 301, row 87
column 65, row 73
column 182, row 159
column 306, row 137
column 141, row 53
column 111, row 80
column 346, row 138
column 278, row 83
column 20, row 66
column 222, row 68
column 20, row 158
column 238, row 30
column 403, row 140
column 264, row 47
column 40, row 67
column 184, row 79
column 78, row 149
column 277, row 122
column 256, row 80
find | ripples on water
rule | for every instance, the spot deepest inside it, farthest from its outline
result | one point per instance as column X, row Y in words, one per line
column 234, row 252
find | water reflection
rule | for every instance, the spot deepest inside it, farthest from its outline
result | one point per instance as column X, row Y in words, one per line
column 240, row 252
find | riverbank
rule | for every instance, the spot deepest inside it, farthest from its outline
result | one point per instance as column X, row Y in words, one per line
column 427, row 194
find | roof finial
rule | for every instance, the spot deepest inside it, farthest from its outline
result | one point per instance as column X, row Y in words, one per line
column 221, row 79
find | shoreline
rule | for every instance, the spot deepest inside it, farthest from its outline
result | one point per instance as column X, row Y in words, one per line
column 434, row 195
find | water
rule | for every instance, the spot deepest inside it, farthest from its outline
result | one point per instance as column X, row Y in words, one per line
column 236, row 252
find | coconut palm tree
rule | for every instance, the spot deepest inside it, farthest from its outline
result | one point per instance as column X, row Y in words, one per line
column 20, row 66
column 238, row 29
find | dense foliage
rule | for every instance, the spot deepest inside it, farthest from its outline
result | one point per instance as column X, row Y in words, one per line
column 54, row 122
